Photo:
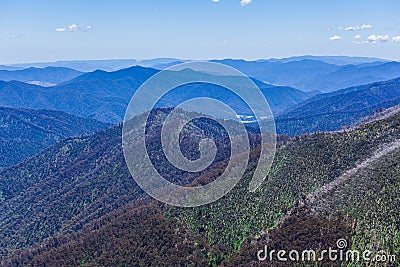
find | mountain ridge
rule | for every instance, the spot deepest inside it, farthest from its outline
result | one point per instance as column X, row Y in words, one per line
column 105, row 95
column 342, row 108
column 228, row 227
column 50, row 75
column 24, row 132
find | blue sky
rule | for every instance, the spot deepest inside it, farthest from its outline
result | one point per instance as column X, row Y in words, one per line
column 198, row 29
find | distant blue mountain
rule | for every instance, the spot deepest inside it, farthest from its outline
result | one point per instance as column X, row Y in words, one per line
column 281, row 98
column 351, row 75
column 48, row 75
column 4, row 67
column 138, row 73
column 167, row 65
column 310, row 75
column 161, row 63
column 84, row 65
column 331, row 111
column 282, row 73
column 105, row 95
column 152, row 63
column 307, row 73
column 336, row 60
column 92, row 65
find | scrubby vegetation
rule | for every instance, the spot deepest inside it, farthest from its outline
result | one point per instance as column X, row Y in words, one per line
column 229, row 231
column 72, row 183
column 135, row 236
column 372, row 197
column 299, row 168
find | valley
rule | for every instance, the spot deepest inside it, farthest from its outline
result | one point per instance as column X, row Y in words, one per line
column 67, row 197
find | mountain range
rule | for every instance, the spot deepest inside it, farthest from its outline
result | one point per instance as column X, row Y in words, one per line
column 67, row 197
column 92, row 65
column 48, row 75
column 307, row 73
column 117, row 64
column 311, row 74
column 332, row 111
column 104, row 96
column 24, row 133
column 86, row 178
column 335, row 60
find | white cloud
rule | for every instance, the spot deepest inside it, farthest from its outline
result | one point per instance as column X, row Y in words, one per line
column 61, row 29
column 366, row 27
column 335, row 38
column 245, row 2
column 17, row 36
column 396, row 39
column 377, row 38
column 350, row 28
column 73, row 28
column 373, row 39
column 362, row 27
column 215, row 1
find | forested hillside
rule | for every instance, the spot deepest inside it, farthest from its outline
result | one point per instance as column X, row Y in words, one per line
column 25, row 132
column 362, row 209
column 303, row 166
column 79, row 180
column 343, row 108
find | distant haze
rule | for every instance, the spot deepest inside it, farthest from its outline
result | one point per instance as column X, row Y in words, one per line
column 69, row 30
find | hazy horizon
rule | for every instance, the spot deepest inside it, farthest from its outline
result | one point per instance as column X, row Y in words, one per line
column 190, row 59
column 251, row 29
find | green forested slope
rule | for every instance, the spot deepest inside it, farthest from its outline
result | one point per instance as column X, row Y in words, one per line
column 25, row 132
column 362, row 210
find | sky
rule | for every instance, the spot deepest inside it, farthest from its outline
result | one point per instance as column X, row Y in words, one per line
column 35, row 31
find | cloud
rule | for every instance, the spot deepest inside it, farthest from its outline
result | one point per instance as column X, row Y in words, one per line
column 61, row 29
column 335, row 38
column 366, row 27
column 362, row 27
column 396, row 39
column 377, row 38
column 73, row 28
column 373, row 39
column 87, row 28
column 245, row 2
column 17, row 36
column 215, row 1
column 350, row 28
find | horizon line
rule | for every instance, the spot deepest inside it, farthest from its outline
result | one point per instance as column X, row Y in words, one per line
column 193, row 59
